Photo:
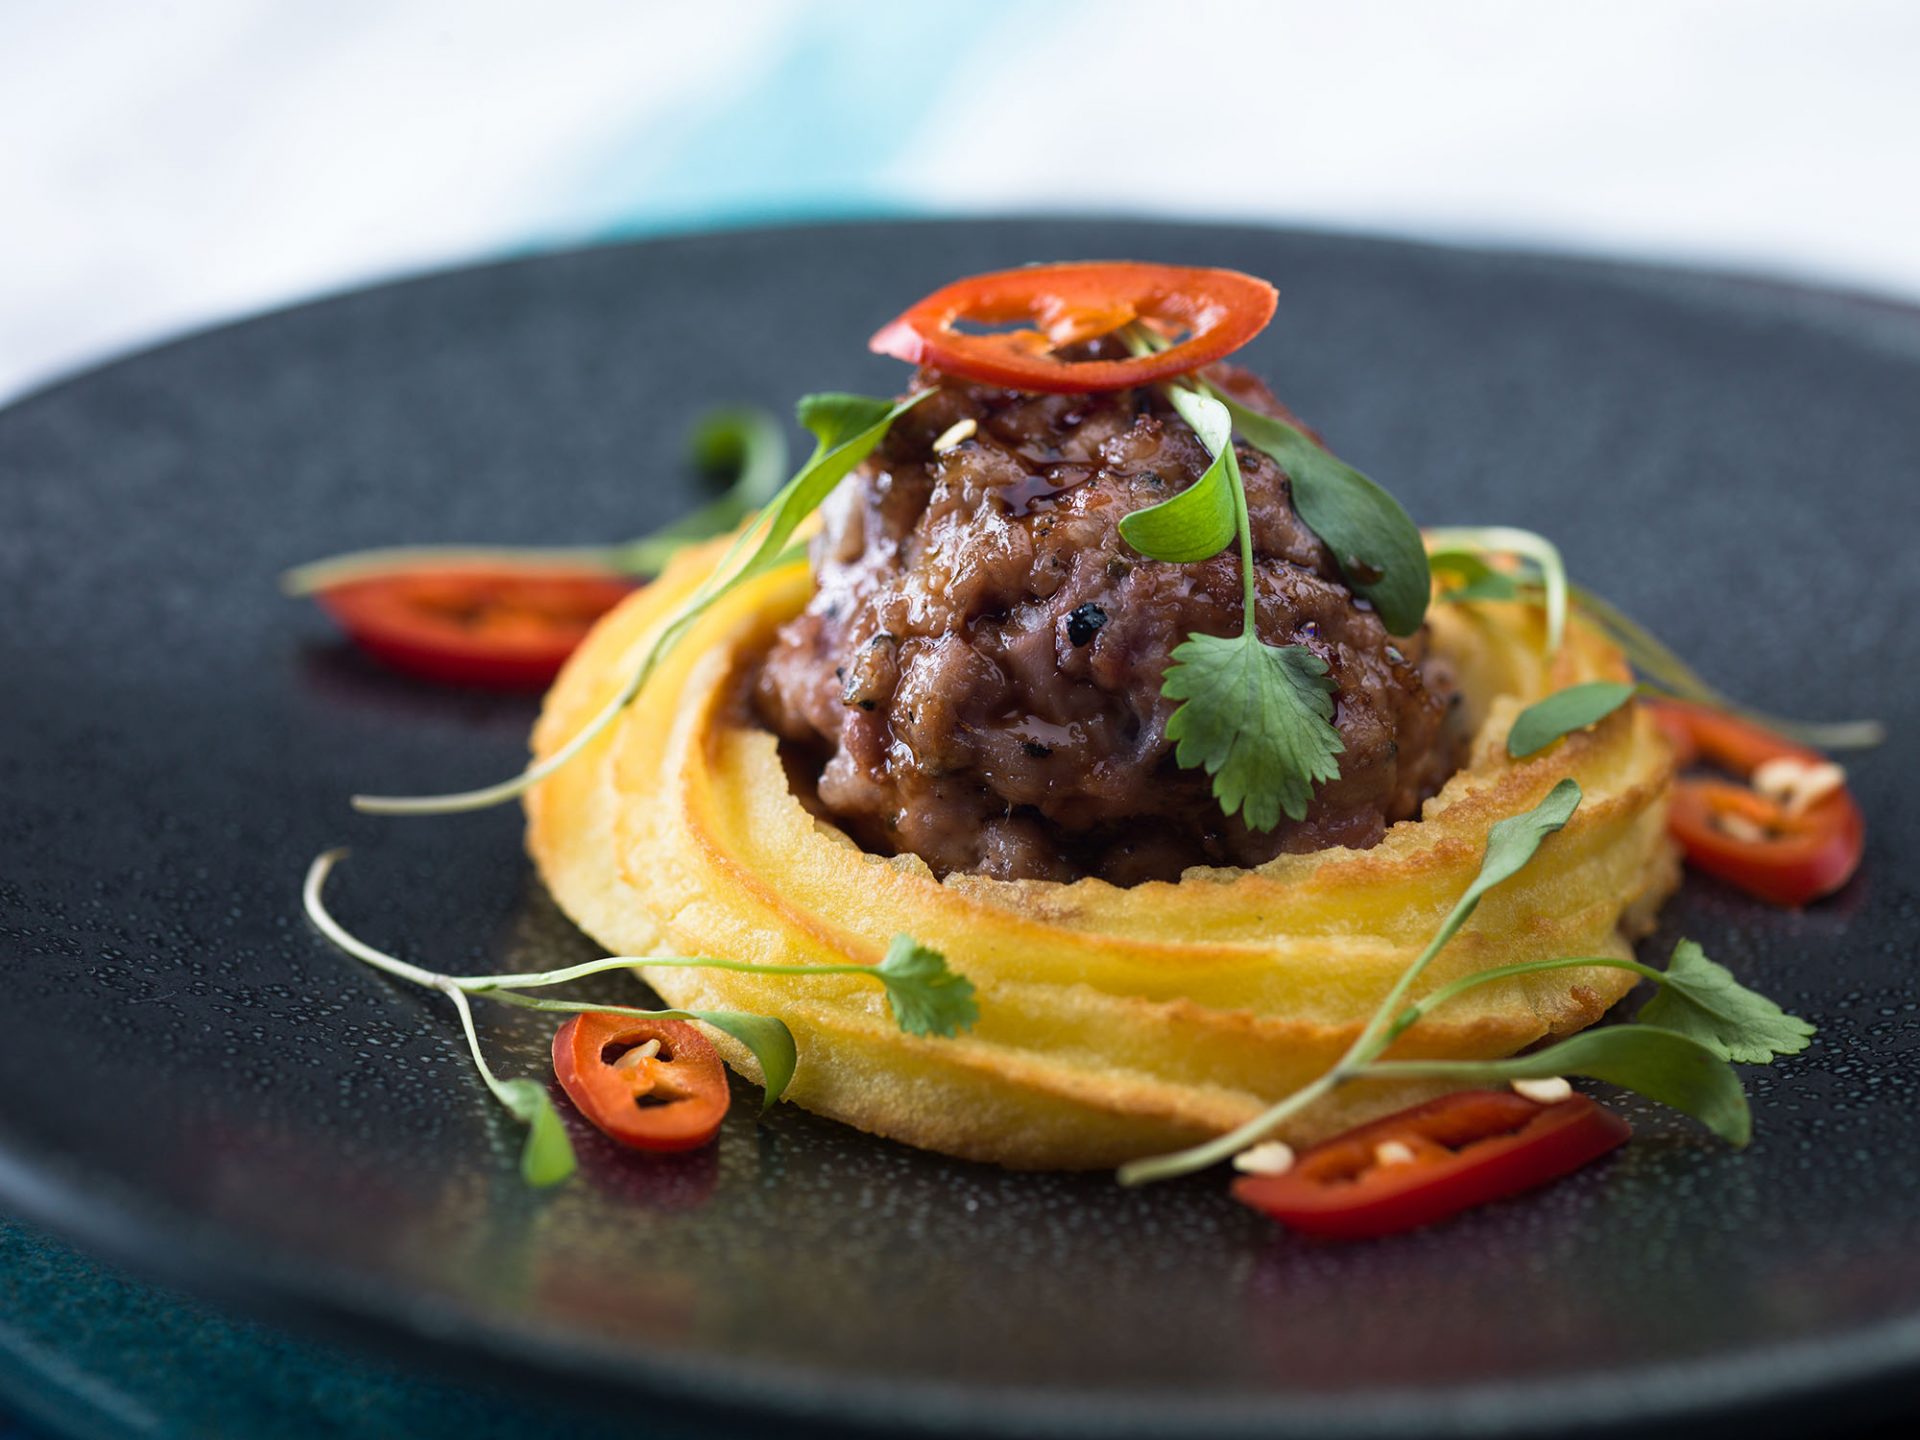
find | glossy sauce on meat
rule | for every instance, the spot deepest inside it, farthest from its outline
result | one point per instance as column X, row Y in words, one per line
column 977, row 679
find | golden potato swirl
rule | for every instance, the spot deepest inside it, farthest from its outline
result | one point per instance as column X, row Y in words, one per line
column 1114, row 1023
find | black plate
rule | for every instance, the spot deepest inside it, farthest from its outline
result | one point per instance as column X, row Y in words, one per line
column 194, row 1082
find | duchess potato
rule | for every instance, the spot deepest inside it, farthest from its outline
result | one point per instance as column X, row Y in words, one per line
column 1114, row 1023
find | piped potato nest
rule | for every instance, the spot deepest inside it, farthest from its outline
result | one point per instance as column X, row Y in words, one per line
column 1114, row 1023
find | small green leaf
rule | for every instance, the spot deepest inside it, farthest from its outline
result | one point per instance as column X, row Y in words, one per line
column 1536, row 550
column 834, row 417
column 1511, row 843
column 1473, row 578
column 847, row 428
column 1564, row 712
column 1701, row 1000
column 547, row 1158
column 1494, row 587
column 745, row 442
column 1662, row 1065
column 1259, row 718
column 926, row 997
column 749, row 444
column 770, row 1041
column 1373, row 539
column 1200, row 521
column 1653, row 659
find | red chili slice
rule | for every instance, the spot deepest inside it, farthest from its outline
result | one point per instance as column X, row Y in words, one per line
column 1217, row 311
column 1779, row 854
column 1466, row 1149
column 500, row 628
column 672, row 1099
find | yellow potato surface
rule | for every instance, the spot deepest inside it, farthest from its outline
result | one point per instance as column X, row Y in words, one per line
column 1114, row 1023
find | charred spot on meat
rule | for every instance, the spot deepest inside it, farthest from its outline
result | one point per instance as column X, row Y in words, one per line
column 977, row 678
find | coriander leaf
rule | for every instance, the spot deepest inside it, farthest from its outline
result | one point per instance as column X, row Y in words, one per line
column 1662, row 1065
column 1477, row 580
column 1703, row 1001
column 547, row 1158
column 927, row 998
column 770, row 1041
column 1563, row 712
column 1201, row 520
column 1259, row 718
column 1373, row 539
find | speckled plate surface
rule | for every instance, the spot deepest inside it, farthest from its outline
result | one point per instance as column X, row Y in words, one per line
column 195, row 1083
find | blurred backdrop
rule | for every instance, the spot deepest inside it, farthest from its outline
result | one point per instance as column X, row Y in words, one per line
column 168, row 163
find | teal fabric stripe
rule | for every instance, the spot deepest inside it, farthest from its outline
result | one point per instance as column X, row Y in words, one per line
column 814, row 136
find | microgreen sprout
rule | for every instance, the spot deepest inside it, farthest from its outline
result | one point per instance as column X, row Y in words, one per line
column 1545, row 565
column 1677, row 1053
column 926, row 997
column 846, row 428
column 1460, row 555
column 1667, row 673
column 746, row 443
column 1257, row 717
column 1563, row 712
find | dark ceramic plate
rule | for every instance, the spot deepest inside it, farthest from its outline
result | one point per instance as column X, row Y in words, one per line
column 195, row 1083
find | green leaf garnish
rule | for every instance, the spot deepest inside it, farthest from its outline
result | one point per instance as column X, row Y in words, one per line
column 547, row 1158
column 1563, row 712
column 771, row 1043
column 1259, row 718
column 1457, row 550
column 1460, row 551
column 1663, row 1065
column 1200, row 521
column 926, row 997
column 747, row 443
column 1373, row 539
column 1697, row 998
column 1702, row 1000
column 1511, row 843
column 1471, row 577
column 1668, row 672
column 846, row 429
column 1540, row 554
column 1677, row 1053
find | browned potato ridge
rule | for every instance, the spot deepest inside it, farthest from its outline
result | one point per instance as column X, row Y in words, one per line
column 1114, row 1022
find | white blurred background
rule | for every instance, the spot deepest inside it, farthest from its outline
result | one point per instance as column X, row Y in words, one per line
column 169, row 163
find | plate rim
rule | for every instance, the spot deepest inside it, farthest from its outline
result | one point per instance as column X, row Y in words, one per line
column 1871, row 1365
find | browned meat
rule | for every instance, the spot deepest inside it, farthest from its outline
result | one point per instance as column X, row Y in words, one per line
column 977, row 680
